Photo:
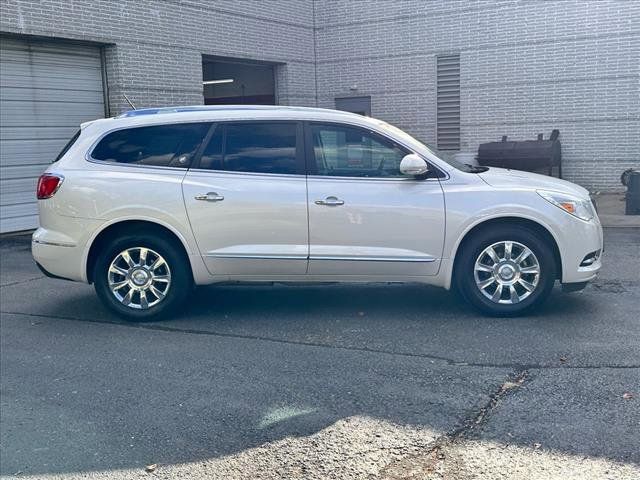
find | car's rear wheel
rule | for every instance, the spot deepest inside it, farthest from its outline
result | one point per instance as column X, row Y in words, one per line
column 142, row 277
column 505, row 270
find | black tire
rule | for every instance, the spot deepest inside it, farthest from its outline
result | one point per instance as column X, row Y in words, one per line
column 173, row 254
column 465, row 279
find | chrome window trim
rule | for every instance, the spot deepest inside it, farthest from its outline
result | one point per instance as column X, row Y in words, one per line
column 310, row 177
column 133, row 165
column 247, row 174
column 444, row 175
column 375, row 179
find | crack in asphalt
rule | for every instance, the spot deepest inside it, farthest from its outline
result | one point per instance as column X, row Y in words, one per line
column 11, row 284
column 163, row 328
column 434, row 452
column 512, row 384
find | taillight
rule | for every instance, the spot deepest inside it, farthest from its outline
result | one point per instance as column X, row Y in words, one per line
column 48, row 185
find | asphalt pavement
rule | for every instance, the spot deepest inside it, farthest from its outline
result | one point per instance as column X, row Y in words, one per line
column 325, row 381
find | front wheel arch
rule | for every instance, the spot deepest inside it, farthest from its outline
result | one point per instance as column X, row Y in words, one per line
column 515, row 222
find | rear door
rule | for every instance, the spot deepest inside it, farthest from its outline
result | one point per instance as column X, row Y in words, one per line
column 365, row 217
column 247, row 200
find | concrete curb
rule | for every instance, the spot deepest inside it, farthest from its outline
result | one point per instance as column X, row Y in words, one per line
column 620, row 221
column 611, row 211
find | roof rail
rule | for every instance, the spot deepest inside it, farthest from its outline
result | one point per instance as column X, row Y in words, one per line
column 198, row 108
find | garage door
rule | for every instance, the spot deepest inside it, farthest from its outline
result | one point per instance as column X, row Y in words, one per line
column 46, row 90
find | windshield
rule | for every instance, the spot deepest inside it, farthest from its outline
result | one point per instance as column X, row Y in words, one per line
column 425, row 148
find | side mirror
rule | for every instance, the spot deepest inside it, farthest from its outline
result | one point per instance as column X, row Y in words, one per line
column 413, row 165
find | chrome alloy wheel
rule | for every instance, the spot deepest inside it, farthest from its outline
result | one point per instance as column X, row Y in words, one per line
column 507, row 272
column 139, row 277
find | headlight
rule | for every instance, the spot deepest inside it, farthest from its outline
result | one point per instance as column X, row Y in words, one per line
column 578, row 207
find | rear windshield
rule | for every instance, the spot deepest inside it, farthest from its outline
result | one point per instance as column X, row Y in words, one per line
column 67, row 146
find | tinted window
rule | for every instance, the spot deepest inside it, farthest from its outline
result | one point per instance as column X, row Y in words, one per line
column 160, row 145
column 265, row 147
column 212, row 155
column 68, row 146
column 354, row 152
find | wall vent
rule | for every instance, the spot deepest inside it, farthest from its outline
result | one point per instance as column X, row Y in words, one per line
column 448, row 102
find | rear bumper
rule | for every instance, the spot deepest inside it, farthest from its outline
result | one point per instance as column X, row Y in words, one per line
column 49, row 274
column 58, row 260
column 59, row 246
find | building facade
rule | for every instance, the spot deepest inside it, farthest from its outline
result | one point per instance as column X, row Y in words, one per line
column 453, row 73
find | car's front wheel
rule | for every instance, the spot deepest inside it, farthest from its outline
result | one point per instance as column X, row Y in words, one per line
column 142, row 277
column 505, row 270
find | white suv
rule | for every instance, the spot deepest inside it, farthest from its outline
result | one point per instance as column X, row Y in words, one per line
column 148, row 204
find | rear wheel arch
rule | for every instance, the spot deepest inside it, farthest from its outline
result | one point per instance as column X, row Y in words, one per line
column 516, row 222
column 127, row 227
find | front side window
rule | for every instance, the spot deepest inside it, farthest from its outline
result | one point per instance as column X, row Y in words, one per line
column 258, row 147
column 346, row 151
column 158, row 145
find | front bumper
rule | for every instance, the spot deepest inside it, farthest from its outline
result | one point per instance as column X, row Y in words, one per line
column 579, row 241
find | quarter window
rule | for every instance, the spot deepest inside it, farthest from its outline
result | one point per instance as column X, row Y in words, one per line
column 159, row 145
column 345, row 151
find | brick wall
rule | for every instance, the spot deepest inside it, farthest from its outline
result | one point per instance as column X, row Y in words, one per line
column 526, row 67
column 154, row 47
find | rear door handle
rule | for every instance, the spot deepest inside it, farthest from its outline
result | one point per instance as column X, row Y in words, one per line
column 210, row 197
column 330, row 202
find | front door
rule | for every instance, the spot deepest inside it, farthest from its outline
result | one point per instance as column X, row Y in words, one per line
column 365, row 217
column 247, row 200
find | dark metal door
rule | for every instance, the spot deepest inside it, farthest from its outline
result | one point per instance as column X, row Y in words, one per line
column 359, row 105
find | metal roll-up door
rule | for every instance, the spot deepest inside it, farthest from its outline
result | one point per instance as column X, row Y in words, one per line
column 46, row 90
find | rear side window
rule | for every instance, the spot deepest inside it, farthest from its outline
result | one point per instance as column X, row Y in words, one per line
column 68, row 146
column 260, row 147
column 158, row 145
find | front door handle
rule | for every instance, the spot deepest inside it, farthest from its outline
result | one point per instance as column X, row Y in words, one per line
column 330, row 202
column 210, row 197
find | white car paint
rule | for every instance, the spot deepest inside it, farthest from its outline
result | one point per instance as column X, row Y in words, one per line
column 402, row 229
